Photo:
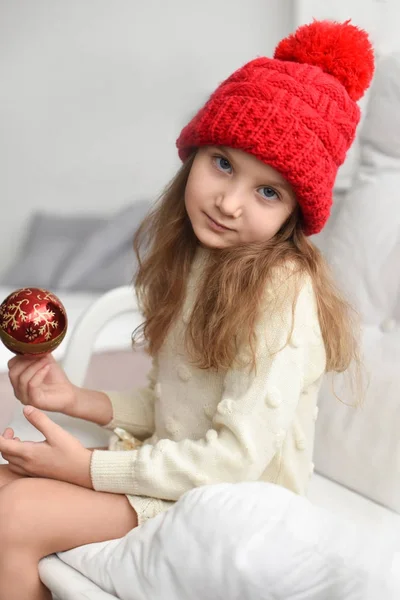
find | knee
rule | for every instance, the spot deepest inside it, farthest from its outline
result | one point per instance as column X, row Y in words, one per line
column 14, row 513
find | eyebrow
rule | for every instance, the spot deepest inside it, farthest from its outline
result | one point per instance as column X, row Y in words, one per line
column 282, row 184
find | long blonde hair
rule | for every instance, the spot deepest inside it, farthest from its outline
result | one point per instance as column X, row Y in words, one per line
column 233, row 286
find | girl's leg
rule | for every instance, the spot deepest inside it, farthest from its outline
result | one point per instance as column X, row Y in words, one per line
column 41, row 516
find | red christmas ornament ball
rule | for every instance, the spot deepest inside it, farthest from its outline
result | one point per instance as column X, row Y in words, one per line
column 32, row 321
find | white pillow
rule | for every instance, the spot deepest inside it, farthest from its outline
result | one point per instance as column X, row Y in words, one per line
column 349, row 168
column 247, row 541
column 360, row 449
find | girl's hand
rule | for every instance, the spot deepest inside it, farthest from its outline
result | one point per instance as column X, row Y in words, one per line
column 60, row 456
column 41, row 382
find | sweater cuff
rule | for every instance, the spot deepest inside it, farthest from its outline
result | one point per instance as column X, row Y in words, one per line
column 113, row 471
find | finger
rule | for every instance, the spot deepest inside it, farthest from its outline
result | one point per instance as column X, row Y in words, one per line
column 12, row 447
column 16, row 369
column 24, row 359
column 15, row 366
column 18, row 470
column 51, row 358
column 18, row 363
column 19, row 359
column 51, row 431
column 8, row 433
column 12, row 361
column 38, row 378
column 21, row 380
column 31, row 369
column 13, row 459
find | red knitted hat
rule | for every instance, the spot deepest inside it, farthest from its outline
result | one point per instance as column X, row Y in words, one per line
column 296, row 112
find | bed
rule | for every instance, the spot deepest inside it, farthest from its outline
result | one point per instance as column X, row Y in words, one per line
column 80, row 573
column 357, row 456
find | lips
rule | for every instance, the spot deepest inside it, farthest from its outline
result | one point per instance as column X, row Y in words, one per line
column 218, row 223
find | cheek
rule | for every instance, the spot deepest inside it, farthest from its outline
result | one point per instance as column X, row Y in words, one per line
column 188, row 193
column 194, row 192
column 264, row 224
column 189, row 199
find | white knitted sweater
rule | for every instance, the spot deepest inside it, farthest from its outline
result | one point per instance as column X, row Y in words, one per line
column 202, row 427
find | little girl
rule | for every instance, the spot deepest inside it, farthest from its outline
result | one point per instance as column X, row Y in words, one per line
column 240, row 317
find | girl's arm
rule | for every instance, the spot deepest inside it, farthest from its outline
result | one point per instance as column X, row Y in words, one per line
column 91, row 405
column 250, row 424
column 133, row 411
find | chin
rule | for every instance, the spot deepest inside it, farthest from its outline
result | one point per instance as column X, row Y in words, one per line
column 209, row 239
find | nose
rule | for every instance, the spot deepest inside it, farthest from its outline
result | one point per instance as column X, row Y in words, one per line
column 230, row 204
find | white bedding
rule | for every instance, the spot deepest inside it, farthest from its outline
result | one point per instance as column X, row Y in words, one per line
column 250, row 541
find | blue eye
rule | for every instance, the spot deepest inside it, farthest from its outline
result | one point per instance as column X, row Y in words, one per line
column 222, row 163
column 268, row 193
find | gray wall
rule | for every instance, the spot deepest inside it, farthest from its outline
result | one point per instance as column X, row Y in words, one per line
column 94, row 94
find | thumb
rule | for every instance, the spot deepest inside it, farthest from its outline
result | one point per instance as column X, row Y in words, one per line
column 51, row 431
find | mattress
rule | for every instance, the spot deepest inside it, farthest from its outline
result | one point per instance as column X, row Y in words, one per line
column 66, row 583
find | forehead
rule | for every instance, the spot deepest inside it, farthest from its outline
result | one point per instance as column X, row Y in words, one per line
column 251, row 163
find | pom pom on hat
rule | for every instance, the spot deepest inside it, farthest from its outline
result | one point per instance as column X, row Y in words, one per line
column 340, row 49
